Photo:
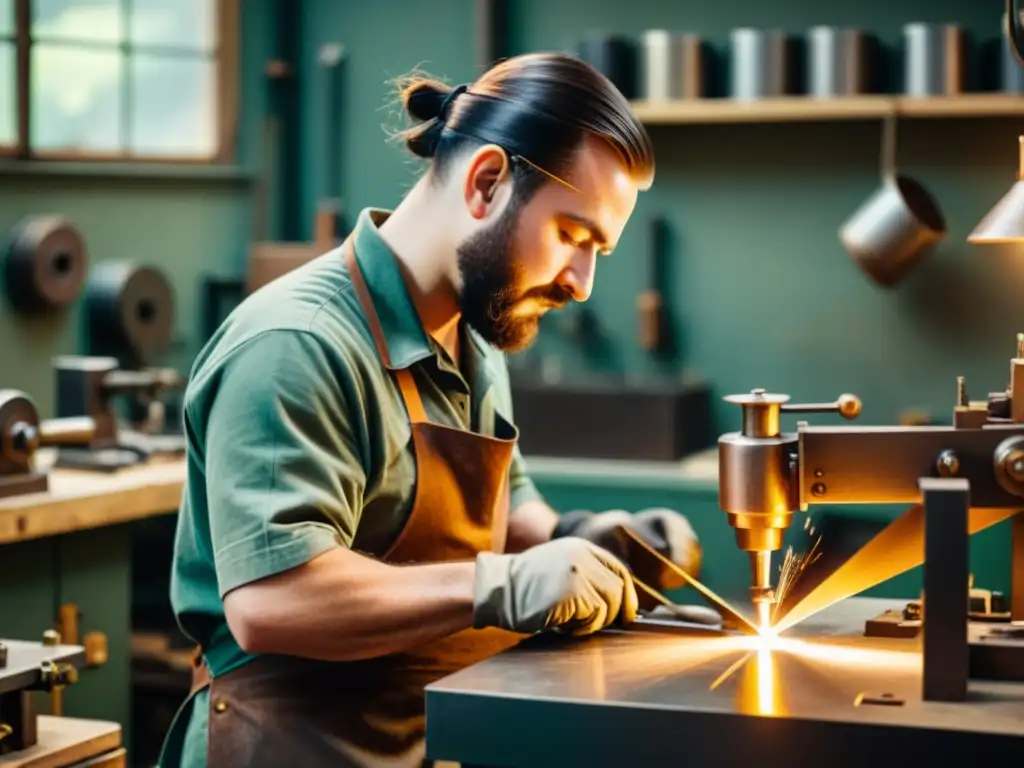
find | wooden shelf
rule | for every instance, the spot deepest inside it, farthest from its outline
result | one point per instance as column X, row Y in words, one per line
column 807, row 109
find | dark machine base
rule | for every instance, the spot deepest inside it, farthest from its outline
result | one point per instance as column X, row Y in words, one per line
column 824, row 694
column 17, row 485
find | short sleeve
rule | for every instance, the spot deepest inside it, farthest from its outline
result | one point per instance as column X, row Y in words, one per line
column 284, row 474
column 521, row 486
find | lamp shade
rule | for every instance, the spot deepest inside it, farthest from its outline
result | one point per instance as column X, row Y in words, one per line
column 1005, row 222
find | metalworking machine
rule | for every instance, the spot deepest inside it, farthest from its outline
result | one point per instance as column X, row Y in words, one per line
column 964, row 478
column 22, row 433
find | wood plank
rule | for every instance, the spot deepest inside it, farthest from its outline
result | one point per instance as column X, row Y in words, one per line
column 64, row 741
column 807, row 109
column 79, row 500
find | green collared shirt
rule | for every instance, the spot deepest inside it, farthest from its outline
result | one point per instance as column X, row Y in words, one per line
column 299, row 442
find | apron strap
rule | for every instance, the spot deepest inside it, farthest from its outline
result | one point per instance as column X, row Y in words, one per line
column 406, row 382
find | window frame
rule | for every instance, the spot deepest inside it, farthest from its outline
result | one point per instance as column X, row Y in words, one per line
column 226, row 84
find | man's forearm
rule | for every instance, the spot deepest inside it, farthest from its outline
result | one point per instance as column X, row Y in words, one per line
column 530, row 524
column 343, row 606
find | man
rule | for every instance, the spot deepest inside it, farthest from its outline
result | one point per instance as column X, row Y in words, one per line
column 357, row 521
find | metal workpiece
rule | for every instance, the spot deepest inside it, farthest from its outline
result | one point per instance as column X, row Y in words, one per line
column 825, row 694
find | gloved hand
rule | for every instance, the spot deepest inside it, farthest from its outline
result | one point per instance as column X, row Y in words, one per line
column 569, row 585
column 665, row 530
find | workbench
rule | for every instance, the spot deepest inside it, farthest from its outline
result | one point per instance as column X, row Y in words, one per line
column 73, row 545
column 824, row 695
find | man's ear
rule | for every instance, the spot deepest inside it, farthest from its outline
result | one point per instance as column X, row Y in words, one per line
column 483, row 189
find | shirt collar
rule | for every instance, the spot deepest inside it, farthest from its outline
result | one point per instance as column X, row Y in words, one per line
column 407, row 341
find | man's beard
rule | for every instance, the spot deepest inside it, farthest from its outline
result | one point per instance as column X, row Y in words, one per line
column 490, row 287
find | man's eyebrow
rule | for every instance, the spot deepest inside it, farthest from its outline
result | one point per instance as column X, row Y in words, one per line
column 595, row 229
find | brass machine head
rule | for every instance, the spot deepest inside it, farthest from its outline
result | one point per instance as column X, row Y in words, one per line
column 758, row 476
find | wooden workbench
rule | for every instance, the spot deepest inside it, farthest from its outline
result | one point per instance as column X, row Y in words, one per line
column 78, row 500
column 69, row 741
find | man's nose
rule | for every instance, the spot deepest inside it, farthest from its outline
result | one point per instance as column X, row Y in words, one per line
column 578, row 277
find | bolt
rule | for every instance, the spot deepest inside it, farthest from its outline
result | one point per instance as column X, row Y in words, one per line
column 818, row 489
column 819, row 473
column 51, row 637
column 948, row 464
column 961, row 392
column 758, row 392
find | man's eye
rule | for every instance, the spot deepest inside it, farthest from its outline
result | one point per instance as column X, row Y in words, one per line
column 568, row 239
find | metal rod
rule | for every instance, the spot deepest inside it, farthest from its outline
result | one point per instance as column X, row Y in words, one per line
column 946, row 652
column 716, row 601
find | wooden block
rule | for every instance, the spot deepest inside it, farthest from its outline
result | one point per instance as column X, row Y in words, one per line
column 269, row 261
column 67, row 741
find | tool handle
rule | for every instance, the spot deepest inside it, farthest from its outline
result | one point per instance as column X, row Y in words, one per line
column 649, row 305
column 73, row 430
column 848, row 406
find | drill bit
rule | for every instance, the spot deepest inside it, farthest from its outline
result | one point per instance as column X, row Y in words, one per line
column 761, row 593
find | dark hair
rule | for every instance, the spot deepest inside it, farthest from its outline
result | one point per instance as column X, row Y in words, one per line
column 538, row 106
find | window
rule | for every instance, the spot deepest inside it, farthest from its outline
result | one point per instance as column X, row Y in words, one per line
column 119, row 79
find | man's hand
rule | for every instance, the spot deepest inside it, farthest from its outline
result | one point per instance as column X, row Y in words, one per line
column 665, row 530
column 569, row 585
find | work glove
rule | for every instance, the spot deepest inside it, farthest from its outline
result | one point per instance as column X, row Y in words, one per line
column 569, row 585
column 666, row 531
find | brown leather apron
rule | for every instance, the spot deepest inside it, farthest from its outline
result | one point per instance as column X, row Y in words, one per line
column 285, row 711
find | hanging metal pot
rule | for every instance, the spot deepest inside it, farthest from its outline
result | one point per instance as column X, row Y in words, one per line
column 895, row 227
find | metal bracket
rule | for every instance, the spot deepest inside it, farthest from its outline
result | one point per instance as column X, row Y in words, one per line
column 946, row 652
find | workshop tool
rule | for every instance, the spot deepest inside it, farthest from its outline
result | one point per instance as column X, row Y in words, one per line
column 129, row 313
column 672, row 66
column 31, row 666
column 739, row 621
column 650, row 304
column 44, row 264
column 761, row 64
column 961, row 479
column 841, row 62
column 897, row 226
column 22, row 433
column 88, row 386
column 327, row 227
column 935, row 60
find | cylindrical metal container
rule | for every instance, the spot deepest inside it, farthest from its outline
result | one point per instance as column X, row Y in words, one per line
column 838, row 62
column 934, row 60
column 759, row 64
column 1011, row 72
column 893, row 230
column 672, row 66
column 615, row 58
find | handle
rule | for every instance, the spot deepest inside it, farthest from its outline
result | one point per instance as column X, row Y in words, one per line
column 848, row 406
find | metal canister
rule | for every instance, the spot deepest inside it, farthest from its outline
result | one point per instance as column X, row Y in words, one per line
column 672, row 66
column 838, row 62
column 759, row 63
column 934, row 60
column 1011, row 72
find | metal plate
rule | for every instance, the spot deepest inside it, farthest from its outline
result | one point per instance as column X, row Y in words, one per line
column 642, row 698
column 25, row 659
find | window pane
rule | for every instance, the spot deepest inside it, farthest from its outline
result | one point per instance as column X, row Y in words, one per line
column 76, row 98
column 6, row 18
column 86, row 20
column 8, row 92
column 172, row 106
column 179, row 23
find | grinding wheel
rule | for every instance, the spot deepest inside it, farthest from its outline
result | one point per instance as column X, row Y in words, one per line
column 130, row 311
column 45, row 264
column 17, row 412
